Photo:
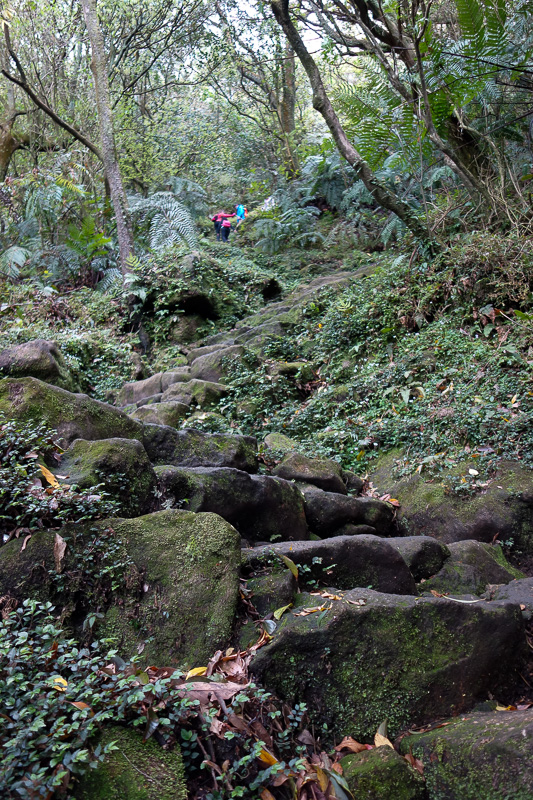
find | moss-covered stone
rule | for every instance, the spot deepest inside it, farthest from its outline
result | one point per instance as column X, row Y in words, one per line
column 121, row 464
column 321, row 472
column 423, row 555
column 211, row 366
column 190, row 563
column 382, row 656
column 40, row 359
column 134, row 771
column 74, row 416
column 195, row 392
column 273, row 591
column 171, row 413
column 280, row 442
column 382, row 774
column 471, row 567
column 26, row 573
column 481, row 755
column 260, row 506
column 502, row 510
column 192, row 448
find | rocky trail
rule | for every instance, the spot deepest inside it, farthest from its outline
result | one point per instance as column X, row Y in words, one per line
column 393, row 602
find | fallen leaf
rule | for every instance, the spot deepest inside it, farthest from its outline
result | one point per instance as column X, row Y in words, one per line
column 267, row 758
column 81, row 706
column 436, row 594
column 415, row 763
column 348, row 743
column 278, row 613
column 360, row 602
column 60, row 546
column 27, row 539
column 52, row 480
column 266, row 795
column 60, row 683
column 473, row 472
column 505, row 708
column 323, row 779
column 290, row 564
column 382, row 741
column 196, row 672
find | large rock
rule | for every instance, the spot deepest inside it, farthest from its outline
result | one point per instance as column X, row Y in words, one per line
column 134, row 770
column 74, row 416
column 210, row 367
column 401, row 658
column 326, row 512
column 171, row 413
column 471, row 567
column 199, row 392
column 259, row 506
column 122, row 464
column 346, row 562
column 382, row 774
column 179, row 587
column 519, row 591
column 40, row 359
column 321, row 472
column 423, row 555
column 504, row 509
column 192, row 448
column 481, row 755
column 190, row 568
column 280, row 442
column 138, row 391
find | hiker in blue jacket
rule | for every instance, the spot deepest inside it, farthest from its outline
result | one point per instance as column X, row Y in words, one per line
column 241, row 214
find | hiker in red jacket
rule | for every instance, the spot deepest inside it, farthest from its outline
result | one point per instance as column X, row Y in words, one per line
column 226, row 226
column 217, row 220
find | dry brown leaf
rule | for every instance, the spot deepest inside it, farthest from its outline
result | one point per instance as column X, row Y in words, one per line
column 360, row 602
column 267, row 758
column 348, row 743
column 382, row 741
column 60, row 546
column 415, row 763
column 436, row 594
column 323, row 778
column 25, row 542
column 266, row 795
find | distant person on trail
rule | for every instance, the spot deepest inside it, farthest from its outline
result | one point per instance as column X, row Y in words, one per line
column 217, row 220
column 241, row 214
column 226, row 227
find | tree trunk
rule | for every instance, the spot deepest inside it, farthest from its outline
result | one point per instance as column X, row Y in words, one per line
column 8, row 145
column 287, row 110
column 107, row 137
column 322, row 104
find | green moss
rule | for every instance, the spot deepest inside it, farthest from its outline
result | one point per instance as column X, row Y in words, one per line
column 190, row 564
column 382, row 774
column 74, row 416
column 134, row 771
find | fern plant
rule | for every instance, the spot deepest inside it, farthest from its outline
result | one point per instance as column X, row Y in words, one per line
column 167, row 220
column 295, row 226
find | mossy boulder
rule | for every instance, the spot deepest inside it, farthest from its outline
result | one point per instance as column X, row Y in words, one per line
column 27, row 573
column 280, row 442
column 171, row 413
column 134, row 770
column 211, row 366
column 345, row 562
column 519, row 591
column 259, row 506
column 504, row 509
column 481, row 755
column 74, row 416
column 470, row 568
column 382, row 774
column 121, row 464
column 192, row 448
column 423, row 555
column 40, row 359
column 137, row 391
column 326, row 512
column 272, row 591
column 190, row 568
column 195, row 392
column 321, row 472
column 374, row 656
